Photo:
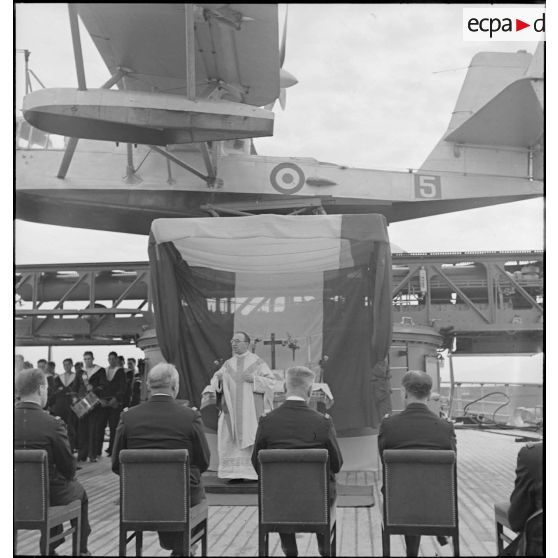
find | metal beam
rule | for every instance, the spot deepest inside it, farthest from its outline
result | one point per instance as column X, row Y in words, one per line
column 115, row 78
column 190, row 51
column 405, row 280
column 523, row 292
column 227, row 211
column 120, row 299
column 180, row 163
column 78, row 55
column 469, row 302
column 208, row 160
column 67, row 159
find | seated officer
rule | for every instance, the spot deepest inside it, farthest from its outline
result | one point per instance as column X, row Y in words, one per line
column 162, row 423
column 294, row 425
column 416, row 427
column 36, row 429
column 526, row 499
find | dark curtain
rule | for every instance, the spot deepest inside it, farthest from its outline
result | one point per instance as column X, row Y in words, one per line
column 192, row 334
column 357, row 334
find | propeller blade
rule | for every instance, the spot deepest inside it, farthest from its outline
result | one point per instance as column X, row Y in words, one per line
column 67, row 159
column 283, row 98
column 284, row 40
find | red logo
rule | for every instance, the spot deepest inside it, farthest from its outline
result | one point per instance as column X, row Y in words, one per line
column 519, row 25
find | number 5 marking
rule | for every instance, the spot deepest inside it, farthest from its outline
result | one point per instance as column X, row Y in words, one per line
column 427, row 186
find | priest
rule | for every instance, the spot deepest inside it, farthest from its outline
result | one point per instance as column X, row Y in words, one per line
column 246, row 384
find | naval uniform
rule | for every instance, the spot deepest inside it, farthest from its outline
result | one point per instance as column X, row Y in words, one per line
column 113, row 395
column 294, row 425
column 36, row 429
column 527, row 498
column 63, row 395
column 163, row 423
column 417, row 427
column 96, row 418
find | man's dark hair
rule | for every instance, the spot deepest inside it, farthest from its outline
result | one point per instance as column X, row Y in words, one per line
column 68, row 360
column 417, row 383
column 132, row 359
column 246, row 336
column 88, row 353
column 41, row 360
column 113, row 353
column 52, row 364
column 78, row 363
column 27, row 381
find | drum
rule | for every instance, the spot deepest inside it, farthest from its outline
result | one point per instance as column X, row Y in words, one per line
column 86, row 404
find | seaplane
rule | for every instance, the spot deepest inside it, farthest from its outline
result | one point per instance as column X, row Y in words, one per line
column 170, row 133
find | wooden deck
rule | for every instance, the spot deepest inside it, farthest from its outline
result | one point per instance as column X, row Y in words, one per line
column 486, row 471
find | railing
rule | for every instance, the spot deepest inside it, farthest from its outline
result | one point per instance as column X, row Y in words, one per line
column 513, row 404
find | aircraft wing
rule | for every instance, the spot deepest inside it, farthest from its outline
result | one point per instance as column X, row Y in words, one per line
column 236, row 47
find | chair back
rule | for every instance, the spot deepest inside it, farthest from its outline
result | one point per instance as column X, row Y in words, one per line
column 31, row 486
column 154, row 486
column 532, row 536
column 420, row 488
column 294, row 486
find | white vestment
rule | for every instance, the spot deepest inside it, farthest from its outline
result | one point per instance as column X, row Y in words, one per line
column 244, row 402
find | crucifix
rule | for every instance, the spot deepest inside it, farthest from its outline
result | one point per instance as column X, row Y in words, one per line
column 289, row 342
column 272, row 341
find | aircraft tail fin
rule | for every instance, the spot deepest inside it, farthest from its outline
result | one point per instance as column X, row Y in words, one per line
column 498, row 121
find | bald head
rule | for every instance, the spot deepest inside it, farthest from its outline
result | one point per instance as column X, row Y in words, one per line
column 299, row 381
column 163, row 378
column 417, row 385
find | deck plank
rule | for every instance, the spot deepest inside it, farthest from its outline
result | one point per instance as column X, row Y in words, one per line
column 486, row 472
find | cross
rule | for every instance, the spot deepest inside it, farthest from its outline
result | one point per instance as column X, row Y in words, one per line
column 273, row 342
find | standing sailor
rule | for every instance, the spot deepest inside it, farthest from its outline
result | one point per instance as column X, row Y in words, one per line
column 97, row 380
column 246, row 383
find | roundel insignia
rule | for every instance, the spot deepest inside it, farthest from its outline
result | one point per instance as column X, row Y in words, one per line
column 287, row 178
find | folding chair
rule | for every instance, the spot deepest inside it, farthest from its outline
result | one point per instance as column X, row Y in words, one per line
column 420, row 495
column 32, row 510
column 293, row 496
column 155, row 496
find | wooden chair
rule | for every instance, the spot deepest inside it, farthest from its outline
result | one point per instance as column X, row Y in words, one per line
column 293, row 496
column 534, row 528
column 420, row 495
column 32, row 510
column 155, row 496
column 501, row 521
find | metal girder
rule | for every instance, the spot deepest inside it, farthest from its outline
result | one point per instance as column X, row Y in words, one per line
column 523, row 292
column 78, row 55
column 181, row 163
column 467, row 300
column 61, row 301
column 41, row 287
column 190, row 47
column 67, row 158
column 405, row 280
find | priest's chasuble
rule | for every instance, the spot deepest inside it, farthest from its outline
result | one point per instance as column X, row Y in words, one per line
column 244, row 403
